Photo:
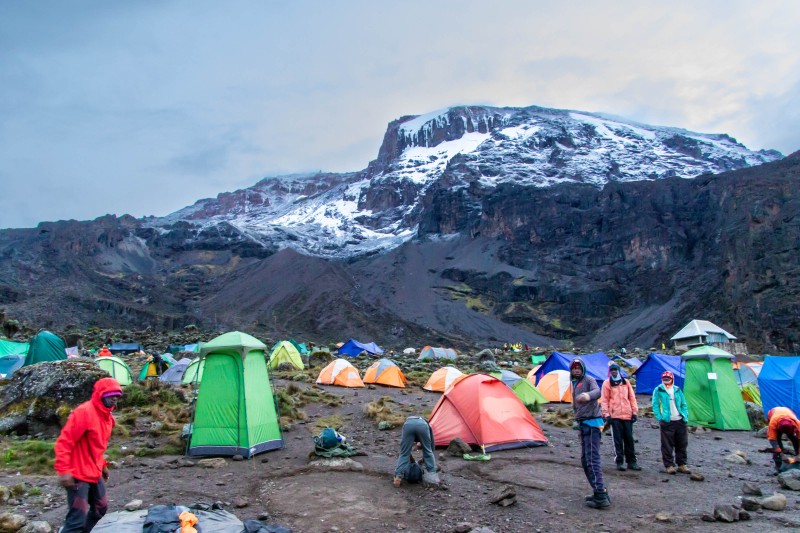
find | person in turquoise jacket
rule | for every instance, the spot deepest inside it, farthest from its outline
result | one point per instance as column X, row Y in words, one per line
column 672, row 413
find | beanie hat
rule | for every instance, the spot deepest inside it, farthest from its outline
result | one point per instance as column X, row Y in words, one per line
column 614, row 366
column 668, row 374
column 111, row 393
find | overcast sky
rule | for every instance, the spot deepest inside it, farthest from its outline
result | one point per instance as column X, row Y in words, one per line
column 143, row 107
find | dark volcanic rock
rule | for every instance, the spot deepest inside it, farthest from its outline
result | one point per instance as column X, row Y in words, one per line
column 39, row 397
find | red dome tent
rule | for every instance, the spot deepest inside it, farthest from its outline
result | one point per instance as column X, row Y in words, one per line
column 483, row 411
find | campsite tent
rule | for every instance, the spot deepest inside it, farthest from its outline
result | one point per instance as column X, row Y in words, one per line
column 385, row 372
column 116, row 368
column 555, row 386
column 353, row 348
column 744, row 374
column 125, row 348
column 194, row 372
column 340, row 372
column 13, row 348
column 648, row 376
column 596, row 365
column 300, row 346
column 174, row 374
column 528, row 393
column 779, row 382
column 10, row 364
column 45, row 346
column 235, row 412
column 429, row 352
column 756, row 367
column 506, row 376
column 538, row 359
column 285, row 352
column 443, row 379
column 151, row 368
column 482, row 411
column 532, row 374
column 713, row 396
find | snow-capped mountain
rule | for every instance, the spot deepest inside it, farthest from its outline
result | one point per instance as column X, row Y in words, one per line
column 339, row 215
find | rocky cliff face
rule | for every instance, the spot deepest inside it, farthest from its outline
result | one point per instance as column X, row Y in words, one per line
column 473, row 225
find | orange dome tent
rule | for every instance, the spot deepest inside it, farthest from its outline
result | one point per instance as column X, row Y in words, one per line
column 483, row 411
column 443, row 379
column 385, row 372
column 340, row 373
column 556, row 386
column 532, row 374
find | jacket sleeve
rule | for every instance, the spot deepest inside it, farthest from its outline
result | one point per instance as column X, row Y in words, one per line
column 604, row 399
column 594, row 390
column 657, row 405
column 632, row 398
column 72, row 431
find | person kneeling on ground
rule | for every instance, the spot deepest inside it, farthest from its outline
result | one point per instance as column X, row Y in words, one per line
column 80, row 457
column 782, row 423
column 589, row 421
column 672, row 413
column 618, row 402
column 416, row 430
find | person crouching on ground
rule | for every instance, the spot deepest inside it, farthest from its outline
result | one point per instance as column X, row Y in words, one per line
column 672, row 413
column 416, row 430
column 80, row 461
column 782, row 423
column 618, row 403
column 588, row 418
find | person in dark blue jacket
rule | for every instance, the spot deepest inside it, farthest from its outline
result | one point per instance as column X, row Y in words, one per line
column 589, row 421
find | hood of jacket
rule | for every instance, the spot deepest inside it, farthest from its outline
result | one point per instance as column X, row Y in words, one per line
column 101, row 387
column 583, row 369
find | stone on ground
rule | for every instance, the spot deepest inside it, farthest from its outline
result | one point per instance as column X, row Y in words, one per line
column 776, row 502
column 790, row 479
column 726, row 513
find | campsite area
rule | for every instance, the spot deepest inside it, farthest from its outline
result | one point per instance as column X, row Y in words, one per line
column 548, row 481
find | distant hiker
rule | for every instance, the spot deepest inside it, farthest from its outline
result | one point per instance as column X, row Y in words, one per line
column 672, row 413
column 416, row 430
column 104, row 352
column 588, row 417
column 782, row 423
column 80, row 461
column 618, row 402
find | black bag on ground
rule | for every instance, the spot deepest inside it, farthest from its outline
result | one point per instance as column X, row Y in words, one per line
column 162, row 519
column 414, row 473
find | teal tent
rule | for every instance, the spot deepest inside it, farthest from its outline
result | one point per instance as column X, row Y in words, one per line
column 45, row 346
column 13, row 348
column 235, row 412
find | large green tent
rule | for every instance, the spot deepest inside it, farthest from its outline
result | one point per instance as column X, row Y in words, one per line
column 235, row 412
column 45, row 346
column 285, row 352
column 117, row 369
column 713, row 396
column 193, row 374
column 528, row 394
column 13, row 348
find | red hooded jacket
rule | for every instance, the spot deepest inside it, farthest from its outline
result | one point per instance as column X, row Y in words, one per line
column 81, row 446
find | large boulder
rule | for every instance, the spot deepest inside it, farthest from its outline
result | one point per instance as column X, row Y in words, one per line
column 39, row 397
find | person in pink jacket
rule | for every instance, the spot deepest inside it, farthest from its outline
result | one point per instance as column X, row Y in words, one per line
column 618, row 403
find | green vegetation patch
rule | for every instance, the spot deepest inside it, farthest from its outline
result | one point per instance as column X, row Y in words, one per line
column 28, row 456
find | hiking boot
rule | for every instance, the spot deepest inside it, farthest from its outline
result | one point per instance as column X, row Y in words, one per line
column 683, row 469
column 600, row 500
column 397, row 481
column 621, row 467
column 634, row 466
column 671, row 470
column 431, row 478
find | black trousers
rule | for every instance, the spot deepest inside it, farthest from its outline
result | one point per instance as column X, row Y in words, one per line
column 776, row 457
column 622, row 431
column 674, row 437
column 87, row 504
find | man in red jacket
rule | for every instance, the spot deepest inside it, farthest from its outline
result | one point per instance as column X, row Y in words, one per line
column 80, row 457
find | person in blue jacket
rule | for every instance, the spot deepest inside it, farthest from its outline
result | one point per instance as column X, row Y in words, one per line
column 672, row 413
column 589, row 421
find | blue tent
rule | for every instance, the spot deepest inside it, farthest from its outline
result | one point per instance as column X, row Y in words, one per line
column 125, row 347
column 596, row 365
column 353, row 348
column 648, row 376
column 779, row 382
column 10, row 364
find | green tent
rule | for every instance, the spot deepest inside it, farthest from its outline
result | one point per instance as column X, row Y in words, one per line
column 193, row 374
column 713, row 396
column 117, row 369
column 150, row 368
column 13, row 348
column 285, row 352
column 235, row 412
column 528, row 394
column 45, row 346
column 301, row 347
column 538, row 359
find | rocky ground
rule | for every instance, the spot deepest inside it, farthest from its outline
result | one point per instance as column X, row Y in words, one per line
column 357, row 495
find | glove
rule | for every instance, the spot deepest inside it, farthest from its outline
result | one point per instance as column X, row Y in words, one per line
column 582, row 398
column 634, row 418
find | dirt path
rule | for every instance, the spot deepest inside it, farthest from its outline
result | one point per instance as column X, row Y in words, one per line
column 549, row 483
